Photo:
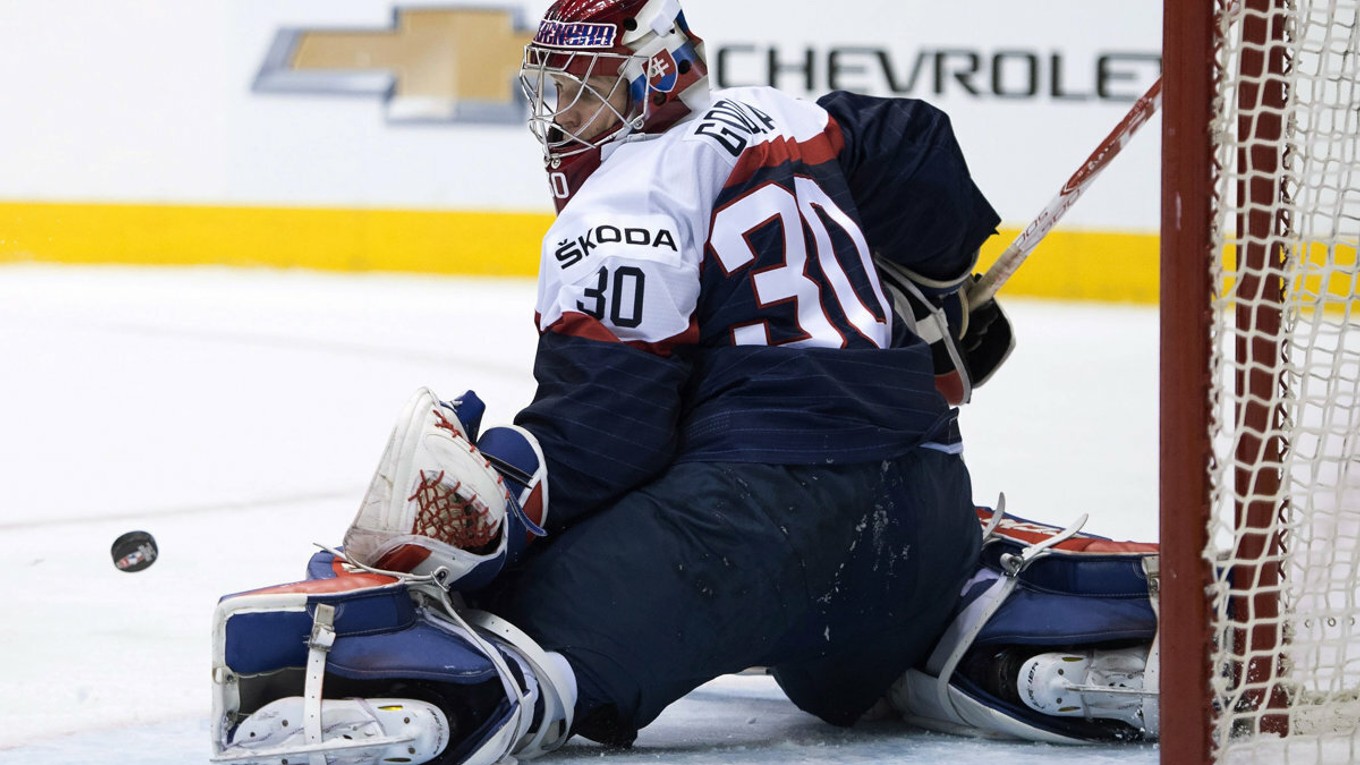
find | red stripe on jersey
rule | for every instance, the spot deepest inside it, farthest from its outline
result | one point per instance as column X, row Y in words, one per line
column 586, row 326
column 834, row 134
column 822, row 148
column 581, row 325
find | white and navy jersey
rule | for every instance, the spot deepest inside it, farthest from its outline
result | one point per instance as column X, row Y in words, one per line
column 709, row 293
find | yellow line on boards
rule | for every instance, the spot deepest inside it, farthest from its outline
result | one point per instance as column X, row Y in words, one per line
column 1068, row 265
column 1122, row 267
column 473, row 243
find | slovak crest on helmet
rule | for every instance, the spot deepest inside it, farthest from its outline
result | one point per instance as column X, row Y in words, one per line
column 662, row 72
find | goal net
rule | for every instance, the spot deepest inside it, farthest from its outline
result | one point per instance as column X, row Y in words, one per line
column 1278, row 504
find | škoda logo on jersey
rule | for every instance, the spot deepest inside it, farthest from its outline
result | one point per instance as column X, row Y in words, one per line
column 572, row 251
column 575, row 34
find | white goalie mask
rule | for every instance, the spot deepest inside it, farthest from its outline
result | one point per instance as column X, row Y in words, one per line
column 599, row 70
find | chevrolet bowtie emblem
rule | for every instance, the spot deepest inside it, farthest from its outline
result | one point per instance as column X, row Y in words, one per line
column 431, row 65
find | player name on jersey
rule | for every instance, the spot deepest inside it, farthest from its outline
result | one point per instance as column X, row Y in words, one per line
column 731, row 124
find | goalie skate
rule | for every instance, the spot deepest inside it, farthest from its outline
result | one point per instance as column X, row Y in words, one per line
column 351, row 732
column 1092, row 684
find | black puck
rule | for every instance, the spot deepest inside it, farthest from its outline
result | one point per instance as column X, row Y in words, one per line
column 134, row 551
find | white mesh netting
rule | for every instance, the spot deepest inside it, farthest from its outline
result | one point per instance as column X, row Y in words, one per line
column 1285, row 531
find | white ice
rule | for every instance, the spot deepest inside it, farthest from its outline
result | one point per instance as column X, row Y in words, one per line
column 237, row 416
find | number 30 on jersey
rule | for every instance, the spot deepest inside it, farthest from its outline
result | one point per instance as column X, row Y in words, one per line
column 778, row 283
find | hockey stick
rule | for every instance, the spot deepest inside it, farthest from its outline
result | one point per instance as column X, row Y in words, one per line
column 1008, row 262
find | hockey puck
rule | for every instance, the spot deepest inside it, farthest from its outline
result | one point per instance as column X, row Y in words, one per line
column 134, row 551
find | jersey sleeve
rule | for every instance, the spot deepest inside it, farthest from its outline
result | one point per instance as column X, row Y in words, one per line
column 908, row 177
column 609, row 377
column 621, row 276
column 618, row 289
column 605, row 414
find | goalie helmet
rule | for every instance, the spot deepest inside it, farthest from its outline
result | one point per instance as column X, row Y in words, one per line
column 600, row 70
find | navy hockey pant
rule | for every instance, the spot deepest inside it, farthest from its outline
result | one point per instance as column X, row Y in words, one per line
column 839, row 577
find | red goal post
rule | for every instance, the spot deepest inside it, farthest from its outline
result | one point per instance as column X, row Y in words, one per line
column 1260, row 382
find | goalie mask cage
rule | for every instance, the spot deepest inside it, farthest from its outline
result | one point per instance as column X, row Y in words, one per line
column 1260, row 401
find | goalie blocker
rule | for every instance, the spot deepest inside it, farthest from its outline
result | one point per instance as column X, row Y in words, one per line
column 967, row 346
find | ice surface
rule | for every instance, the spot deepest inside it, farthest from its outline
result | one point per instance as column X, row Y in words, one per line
column 237, row 416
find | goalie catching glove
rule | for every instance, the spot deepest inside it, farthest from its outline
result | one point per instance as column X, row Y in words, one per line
column 966, row 345
column 442, row 507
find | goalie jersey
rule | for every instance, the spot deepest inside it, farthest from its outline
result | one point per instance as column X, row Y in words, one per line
column 709, row 292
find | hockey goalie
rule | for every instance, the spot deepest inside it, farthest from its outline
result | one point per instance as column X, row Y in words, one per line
column 377, row 655
column 742, row 451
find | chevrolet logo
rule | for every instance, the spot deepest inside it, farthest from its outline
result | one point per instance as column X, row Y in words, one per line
column 431, row 65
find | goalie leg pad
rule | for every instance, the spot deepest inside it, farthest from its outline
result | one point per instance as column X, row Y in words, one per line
column 435, row 506
column 1041, row 590
column 311, row 645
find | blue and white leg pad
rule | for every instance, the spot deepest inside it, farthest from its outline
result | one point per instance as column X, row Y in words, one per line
column 294, row 650
column 1083, row 610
